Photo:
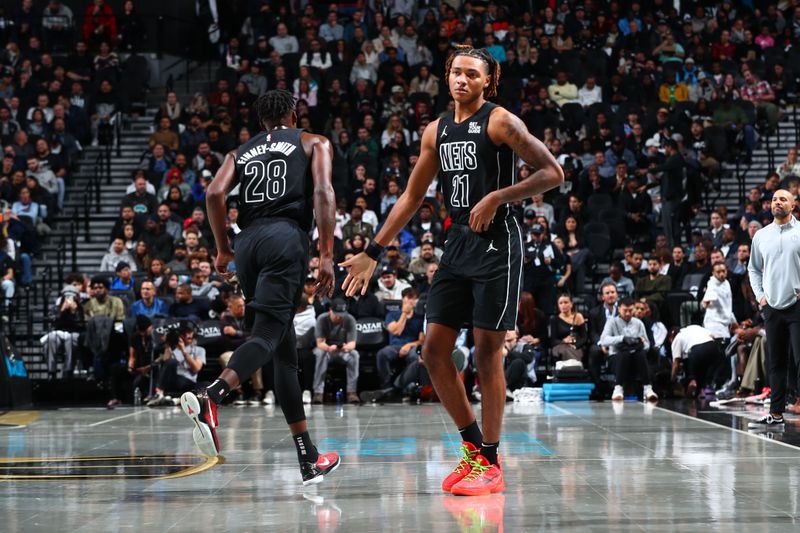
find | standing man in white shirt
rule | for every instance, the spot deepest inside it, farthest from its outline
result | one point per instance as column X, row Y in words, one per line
column 718, row 303
column 775, row 277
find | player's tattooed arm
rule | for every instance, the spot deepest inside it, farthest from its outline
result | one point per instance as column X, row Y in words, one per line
column 506, row 128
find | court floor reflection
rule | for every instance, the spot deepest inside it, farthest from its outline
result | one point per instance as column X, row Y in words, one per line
column 576, row 466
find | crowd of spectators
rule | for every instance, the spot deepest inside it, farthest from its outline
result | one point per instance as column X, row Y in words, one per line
column 640, row 103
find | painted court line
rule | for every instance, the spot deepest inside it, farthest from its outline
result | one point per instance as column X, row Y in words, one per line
column 116, row 418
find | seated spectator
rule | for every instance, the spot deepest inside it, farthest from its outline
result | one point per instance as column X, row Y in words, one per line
column 737, row 263
column 186, row 306
column 672, row 91
column 201, row 286
column 625, row 339
column 654, row 286
column 405, row 334
column 760, row 93
column 27, row 209
column 562, row 91
column 357, row 225
column 389, row 287
column 517, row 356
column 590, row 93
column 164, row 135
column 103, row 110
column 47, row 179
column 117, row 253
column 701, row 355
column 733, row 120
column 123, row 277
column 624, row 284
column 101, row 303
column 336, row 340
column 179, row 366
column 149, row 304
column 141, row 201
column 427, row 257
column 567, row 331
column 66, row 328
column 790, row 167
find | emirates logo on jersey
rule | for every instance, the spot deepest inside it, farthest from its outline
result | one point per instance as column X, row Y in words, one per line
column 474, row 127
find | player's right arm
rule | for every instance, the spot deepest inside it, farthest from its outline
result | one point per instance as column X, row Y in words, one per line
column 361, row 267
column 220, row 186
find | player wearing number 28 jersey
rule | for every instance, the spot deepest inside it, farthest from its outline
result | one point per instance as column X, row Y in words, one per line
column 472, row 149
column 281, row 172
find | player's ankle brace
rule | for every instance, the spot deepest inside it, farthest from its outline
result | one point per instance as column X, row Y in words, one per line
column 217, row 391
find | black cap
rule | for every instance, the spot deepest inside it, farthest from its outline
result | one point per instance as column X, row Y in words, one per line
column 537, row 229
column 427, row 241
column 143, row 322
column 388, row 270
column 530, row 212
column 310, row 279
column 121, row 265
column 339, row 307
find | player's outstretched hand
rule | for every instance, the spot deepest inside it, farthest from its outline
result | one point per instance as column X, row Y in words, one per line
column 325, row 278
column 359, row 271
column 481, row 216
column 221, row 264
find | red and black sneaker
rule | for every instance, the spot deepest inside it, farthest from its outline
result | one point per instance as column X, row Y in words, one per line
column 316, row 471
column 203, row 413
column 484, row 478
column 468, row 453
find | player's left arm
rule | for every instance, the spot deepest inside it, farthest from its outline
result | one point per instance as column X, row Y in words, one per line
column 220, row 186
column 506, row 128
column 324, row 211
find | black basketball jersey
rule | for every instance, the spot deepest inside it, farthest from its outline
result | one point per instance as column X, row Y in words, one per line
column 275, row 178
column 470, row 164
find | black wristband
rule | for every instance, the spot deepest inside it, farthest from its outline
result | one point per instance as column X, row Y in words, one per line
column 373, row 250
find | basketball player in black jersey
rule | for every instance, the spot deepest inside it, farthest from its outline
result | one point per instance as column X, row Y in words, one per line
column 473, row 151
column 278, row 170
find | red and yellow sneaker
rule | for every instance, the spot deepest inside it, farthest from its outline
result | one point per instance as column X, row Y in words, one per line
column 203, row 413
column 483, row 478
column 468, row 453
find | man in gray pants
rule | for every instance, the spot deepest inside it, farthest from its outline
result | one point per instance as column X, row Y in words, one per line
column 671, row 183
column 775, row 277
column 336, row 339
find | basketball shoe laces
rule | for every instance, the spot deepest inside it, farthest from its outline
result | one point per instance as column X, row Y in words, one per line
column 477, row 470
column 466, row 459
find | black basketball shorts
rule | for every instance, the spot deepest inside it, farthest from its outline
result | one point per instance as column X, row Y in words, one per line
column 479, row 278
column 271, row 257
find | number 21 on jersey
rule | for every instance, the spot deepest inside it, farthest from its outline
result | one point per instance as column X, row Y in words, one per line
column 264, row 180
column 460, row 194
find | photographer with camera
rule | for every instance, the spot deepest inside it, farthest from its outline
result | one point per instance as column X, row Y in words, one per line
column 181, row 361
column 336, row 339
column 625, row 339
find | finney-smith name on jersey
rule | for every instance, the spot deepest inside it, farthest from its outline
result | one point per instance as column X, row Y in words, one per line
column 283, row 147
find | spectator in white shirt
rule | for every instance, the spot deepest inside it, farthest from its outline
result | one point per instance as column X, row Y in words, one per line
column 790, row 167
column 590, row 93
column 389, row 287
column 718, row 303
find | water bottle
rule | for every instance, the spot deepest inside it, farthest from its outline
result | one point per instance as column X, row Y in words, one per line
column 339, row 397
column 137, row 397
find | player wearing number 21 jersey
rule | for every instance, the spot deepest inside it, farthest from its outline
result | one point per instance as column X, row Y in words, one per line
column 472, row 149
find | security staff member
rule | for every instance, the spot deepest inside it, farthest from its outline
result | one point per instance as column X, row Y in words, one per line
column 541, row 260
column 775, row 277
